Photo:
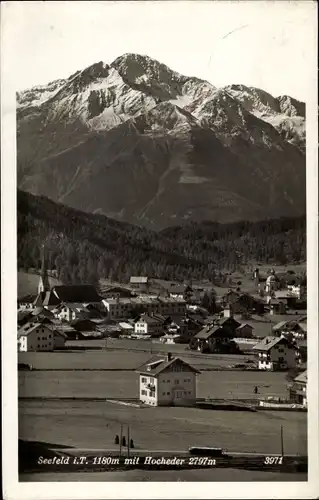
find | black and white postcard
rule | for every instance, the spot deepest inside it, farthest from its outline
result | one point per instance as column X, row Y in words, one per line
column 159, row 249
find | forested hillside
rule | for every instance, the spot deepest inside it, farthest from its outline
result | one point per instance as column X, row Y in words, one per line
column 83, row 247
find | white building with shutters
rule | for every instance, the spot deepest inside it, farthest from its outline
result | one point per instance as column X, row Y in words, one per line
column 276, row 353
column 35, row 337
column 167, row 381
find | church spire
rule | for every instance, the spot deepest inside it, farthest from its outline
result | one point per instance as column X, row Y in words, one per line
column 44, row 285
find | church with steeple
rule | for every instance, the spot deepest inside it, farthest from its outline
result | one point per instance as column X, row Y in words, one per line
column 44, row 285
column 45, row 297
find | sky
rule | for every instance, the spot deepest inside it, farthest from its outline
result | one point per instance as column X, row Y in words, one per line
column 269, row 45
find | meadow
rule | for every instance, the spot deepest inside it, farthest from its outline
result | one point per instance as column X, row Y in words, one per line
column 104, row 374
column 124, row 384
column 93, row 425
column 121, row 354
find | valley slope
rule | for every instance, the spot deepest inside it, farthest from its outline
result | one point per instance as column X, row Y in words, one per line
column 85, row 247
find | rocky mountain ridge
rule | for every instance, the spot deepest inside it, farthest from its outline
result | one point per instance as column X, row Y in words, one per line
column 139, row 142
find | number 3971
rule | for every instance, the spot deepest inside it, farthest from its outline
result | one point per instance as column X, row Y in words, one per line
column 273, row 460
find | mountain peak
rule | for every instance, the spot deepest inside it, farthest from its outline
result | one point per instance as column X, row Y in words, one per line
column 185, row 149
column 291, row 106
column 82, row 79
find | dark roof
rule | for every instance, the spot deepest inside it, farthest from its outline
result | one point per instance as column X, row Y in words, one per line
column 23, row 315
column 83, row 325
column 196, row 318
column 117, row 290
column 243, row 325
column 302, row 319
column 179, row 289
column 290, row 279
column 149, row 318
column 160, row 363
column 50, row 299
column 74, row 306
column 38, row 301
column 207, row 332
column 41, row 311
column 77, row 293
column 280, row 325
column 275, row 302
column 223, row 321
column 268, row 342
column 28, row 328
column 60, row 333
column 27, row 299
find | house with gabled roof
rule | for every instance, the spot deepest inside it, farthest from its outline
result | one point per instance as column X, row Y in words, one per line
column 244, row 331
column 216, row 337
column 35, row 336
column 40, row 336
column 277, row 306
column 276, row 353
column 71, row 311
column 167, row 381
column 150, row 324
column 298, row 389
column 293, row 328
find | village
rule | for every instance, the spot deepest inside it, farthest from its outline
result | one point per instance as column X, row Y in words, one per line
column 264, row 330
column 156, row 367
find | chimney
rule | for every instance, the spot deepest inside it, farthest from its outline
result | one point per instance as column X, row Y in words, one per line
column 169, row 356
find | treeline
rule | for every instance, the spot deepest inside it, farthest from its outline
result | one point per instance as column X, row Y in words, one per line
column 84, row 247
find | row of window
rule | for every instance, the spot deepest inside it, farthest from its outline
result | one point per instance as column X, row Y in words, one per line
column 144, row 381
column 177, row 381
column 180, row 393
column 152, row 395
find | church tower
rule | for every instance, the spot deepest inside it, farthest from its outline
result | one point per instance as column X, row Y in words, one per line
column 43, row 285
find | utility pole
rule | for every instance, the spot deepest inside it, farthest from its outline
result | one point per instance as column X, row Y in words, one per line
column 121, row 436
column 128, row 441
column 282, row 440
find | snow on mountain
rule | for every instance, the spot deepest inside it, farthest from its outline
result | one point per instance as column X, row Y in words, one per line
column 230, row 120
column 284, row 113
column 291, row 107
column 103, row 96
column 182, row 145
column 167, row 118
column 97, row 96
column 157, row 79
column 39, row 94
